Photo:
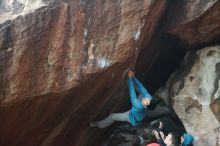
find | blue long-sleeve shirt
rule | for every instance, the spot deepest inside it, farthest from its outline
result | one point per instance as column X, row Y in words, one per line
column 138, row 111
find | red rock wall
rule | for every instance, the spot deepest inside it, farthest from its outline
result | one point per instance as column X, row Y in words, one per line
column 63, row 63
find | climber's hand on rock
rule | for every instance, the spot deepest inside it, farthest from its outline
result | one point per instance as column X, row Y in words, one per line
column 130, row 73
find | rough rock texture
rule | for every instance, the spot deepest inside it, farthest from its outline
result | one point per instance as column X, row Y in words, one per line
column 10, row 9
column 195, row 95
column 194, row 22
column 63, row 61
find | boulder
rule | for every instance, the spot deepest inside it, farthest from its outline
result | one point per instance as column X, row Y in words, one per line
column 193, row 22
column 194, row 92
column 62, row 62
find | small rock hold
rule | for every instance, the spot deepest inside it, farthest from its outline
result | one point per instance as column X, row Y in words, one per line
column 17, row 7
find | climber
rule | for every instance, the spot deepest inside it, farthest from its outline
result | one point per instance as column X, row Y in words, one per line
column 137, row 113
column 141, row 106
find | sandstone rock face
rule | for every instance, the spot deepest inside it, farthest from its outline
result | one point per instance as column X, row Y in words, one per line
column 194, row 22
column 195, row 95
column 61, row 61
